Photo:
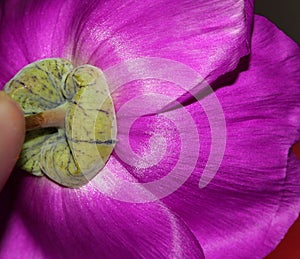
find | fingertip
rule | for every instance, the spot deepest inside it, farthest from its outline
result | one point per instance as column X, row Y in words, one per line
column 12, row 133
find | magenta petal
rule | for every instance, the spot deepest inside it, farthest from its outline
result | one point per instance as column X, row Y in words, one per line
column 255, row 197
column 209, row 36
column 245, row 210
column 50, row 221
column 32, row 30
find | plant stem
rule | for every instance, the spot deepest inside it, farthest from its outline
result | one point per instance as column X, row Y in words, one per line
column 54, row 118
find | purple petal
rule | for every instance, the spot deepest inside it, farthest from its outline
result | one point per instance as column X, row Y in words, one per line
column 245, row 210
column 255, row 197
column 209, row 36
column 32, row 30
column 53, row 222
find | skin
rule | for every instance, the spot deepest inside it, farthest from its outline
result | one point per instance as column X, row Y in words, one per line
column 12, row 131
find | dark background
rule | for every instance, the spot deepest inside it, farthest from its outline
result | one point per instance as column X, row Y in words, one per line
column 284, row 13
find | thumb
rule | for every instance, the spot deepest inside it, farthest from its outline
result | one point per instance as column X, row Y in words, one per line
column 12, row 132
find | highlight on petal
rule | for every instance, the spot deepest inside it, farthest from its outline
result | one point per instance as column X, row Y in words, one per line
column 49, row 221
column 210, row 36
column 157, row 143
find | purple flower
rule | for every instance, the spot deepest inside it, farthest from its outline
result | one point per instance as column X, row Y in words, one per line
column 245, row 207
